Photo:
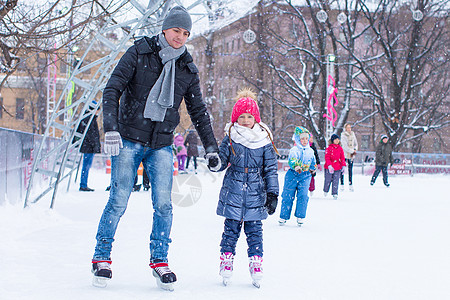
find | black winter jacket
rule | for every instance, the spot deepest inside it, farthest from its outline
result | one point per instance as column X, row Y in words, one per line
column 91, row 142
column 132, row 80
column 383, row 155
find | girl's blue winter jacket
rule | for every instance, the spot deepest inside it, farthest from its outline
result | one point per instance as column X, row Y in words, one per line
column 302, row 156
column 251, row 175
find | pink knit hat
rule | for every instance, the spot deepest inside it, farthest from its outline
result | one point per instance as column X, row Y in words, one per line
column 245, row 105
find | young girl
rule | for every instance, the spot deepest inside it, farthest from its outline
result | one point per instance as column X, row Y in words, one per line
column 180, row 151
column 302, row 163
column 334, row 166
column 250, row 186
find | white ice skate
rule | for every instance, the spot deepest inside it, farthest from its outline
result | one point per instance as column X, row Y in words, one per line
column 282, row 222
column 226, row 267
column 300, row 221
column 350, row 187
column 256, row 270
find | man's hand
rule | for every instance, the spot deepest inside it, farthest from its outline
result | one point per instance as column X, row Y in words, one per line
column 298, row 169
column 113, row 143
column 213, row 161
column 271, row 203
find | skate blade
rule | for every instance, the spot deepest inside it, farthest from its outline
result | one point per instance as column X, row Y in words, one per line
column 165, row 286
column 100, row 282
column 256, row 283
column 226, row 279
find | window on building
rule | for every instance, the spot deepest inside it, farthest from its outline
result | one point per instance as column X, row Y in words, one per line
column 1, row 108
column 239, row 43
column 232, row 46
column 365, row 142
column 62, row 67
column 437, row 145
column 20, row 108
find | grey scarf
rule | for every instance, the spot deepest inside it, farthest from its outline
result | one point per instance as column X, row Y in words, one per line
column 162, row 93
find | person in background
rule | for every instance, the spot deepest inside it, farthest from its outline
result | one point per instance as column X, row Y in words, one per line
column 141, row 103
column 191, row 142
column 90, row 146
column 334, row 166
column 302, row 166
column 250, row 186
column 350, row 145
column 180, row 151
column 383, row 158
column 312, row 185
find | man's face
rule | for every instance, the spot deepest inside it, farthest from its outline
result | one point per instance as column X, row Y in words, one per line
column 176, row 37
column 385, row 140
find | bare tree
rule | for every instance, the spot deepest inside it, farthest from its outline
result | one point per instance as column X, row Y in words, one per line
column 33, row 28
column 404, row 71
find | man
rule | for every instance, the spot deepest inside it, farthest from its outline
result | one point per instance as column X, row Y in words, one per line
column 383, row 158
column 90, row 146
column 151, row 80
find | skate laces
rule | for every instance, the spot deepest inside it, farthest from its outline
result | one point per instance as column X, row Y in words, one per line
column 226, row 261
column 255, row 264
column 103, row 265
column 161, row 267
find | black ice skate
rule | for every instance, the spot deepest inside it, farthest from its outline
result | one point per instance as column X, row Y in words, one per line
column 165, row 278
column 102, row 273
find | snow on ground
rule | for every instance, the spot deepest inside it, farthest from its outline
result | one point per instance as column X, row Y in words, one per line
column 374, row 243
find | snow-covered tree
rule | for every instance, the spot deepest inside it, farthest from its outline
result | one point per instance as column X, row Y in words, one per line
column 404, row 70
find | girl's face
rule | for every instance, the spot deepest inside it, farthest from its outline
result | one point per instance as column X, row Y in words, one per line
column 246, row 120
column 304, row 141
column 336, row 141
column 348, row 128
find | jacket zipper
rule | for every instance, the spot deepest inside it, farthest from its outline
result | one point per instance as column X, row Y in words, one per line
column 244, row 186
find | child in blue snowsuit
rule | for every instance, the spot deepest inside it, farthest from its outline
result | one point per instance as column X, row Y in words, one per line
column 250, row 186
column 302, row 163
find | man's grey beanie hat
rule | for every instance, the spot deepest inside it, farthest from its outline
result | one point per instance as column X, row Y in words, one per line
column 177, row 17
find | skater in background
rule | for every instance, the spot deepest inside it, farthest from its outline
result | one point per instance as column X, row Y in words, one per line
column 90, row 146
column 141, row 104
column 302, row 166
column 312, row 185
column 250, row 187
column 350, row 145
column 383, row 158
column 334, row 166
column 191, row 142
column 180, row 151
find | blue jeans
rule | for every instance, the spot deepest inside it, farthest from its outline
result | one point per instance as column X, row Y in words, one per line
column 295, row 182
column 159, row 165
column 87, row 163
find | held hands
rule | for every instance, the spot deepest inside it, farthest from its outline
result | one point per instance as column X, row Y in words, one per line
column 271, row 203
column 343, row 169
column 298, row 169
column 330, row 169
column 113, row 143
column 213, row 161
